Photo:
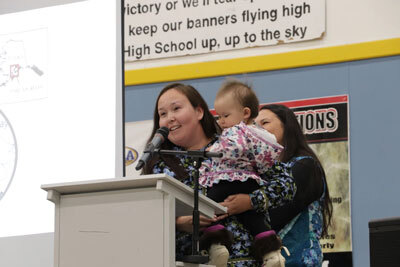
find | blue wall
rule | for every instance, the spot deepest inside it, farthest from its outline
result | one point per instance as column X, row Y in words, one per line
column 373, row 87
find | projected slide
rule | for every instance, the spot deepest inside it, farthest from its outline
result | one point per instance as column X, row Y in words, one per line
column 22, row 65
column 8, row 154
column 60, row 74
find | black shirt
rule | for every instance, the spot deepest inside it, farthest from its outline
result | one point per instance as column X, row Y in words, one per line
column 309, row 182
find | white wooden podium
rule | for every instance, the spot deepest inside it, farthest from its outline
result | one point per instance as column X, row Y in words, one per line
column 121, row 222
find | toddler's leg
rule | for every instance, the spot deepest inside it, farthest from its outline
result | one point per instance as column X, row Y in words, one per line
column 251, row 220
column 220, row 191
column 274, row 259
column 219, row 255
column 267, row 245
column 216, row 240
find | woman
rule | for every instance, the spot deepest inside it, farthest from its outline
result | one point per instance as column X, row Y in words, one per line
column 302, row 222
column 192, row 127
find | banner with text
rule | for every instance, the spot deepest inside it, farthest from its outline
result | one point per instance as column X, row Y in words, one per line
column 167, row 28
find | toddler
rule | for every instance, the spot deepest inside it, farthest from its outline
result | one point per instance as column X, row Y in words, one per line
column 248, row 151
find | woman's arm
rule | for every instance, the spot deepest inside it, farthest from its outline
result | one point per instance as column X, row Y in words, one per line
column 309, row 185
column 280, row 189
column 185, row 223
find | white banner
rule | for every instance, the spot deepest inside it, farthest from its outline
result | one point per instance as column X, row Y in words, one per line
column 167, row 28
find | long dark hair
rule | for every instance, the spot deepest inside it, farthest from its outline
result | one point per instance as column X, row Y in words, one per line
column 208, row 123
column 295, row 144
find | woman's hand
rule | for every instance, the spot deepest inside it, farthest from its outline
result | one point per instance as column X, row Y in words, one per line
column 238, row 203
column 185, row 223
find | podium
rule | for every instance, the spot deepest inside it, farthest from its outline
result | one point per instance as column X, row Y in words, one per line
column 121, row 222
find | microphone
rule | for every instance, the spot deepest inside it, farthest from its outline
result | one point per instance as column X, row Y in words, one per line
column 159, row 137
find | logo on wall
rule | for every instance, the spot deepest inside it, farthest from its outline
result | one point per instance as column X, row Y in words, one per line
column 131, row 155
column 8, row 154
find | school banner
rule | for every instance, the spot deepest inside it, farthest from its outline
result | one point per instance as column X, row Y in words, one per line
column 325, row 123
column 170, row 28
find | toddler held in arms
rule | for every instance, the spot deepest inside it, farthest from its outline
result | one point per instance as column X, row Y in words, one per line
column 248, row 152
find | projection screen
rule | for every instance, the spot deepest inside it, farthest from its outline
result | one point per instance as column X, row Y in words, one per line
column 60, row 106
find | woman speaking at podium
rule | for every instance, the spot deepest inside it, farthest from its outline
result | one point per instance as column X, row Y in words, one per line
column 192, row 127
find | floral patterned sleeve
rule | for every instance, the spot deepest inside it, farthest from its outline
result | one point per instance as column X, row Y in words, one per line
column 279, row 189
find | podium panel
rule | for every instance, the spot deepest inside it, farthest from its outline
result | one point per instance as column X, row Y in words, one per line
column 121, row 222
column 92, row 225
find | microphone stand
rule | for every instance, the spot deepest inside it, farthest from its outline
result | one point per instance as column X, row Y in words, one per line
column 198, row 157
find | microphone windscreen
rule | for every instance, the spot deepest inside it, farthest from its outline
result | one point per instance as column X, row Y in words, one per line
column 164, row 131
